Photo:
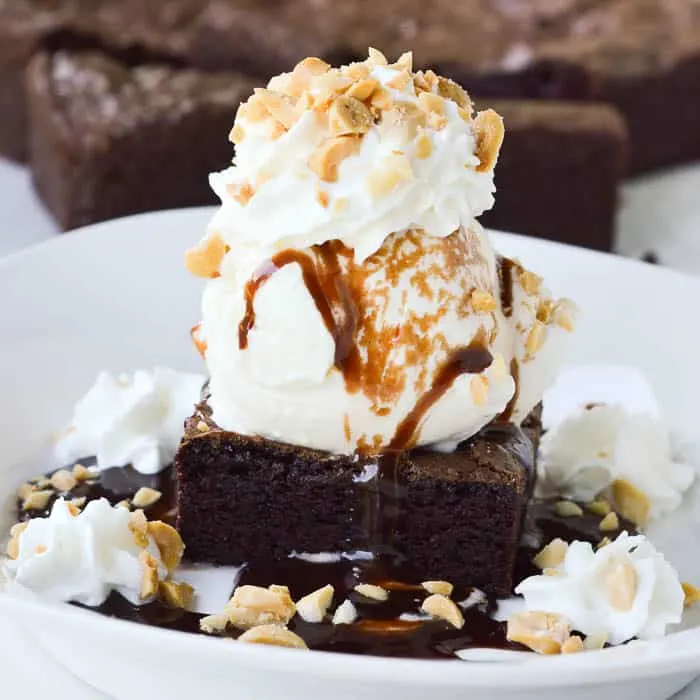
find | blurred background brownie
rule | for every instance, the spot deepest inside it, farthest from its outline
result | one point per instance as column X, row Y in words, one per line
column 23, row 25
column 108, row 139
column 558, row 171
column 218, row 35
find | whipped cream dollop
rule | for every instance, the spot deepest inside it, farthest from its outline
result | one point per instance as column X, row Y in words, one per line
column 406, row 158
column 623, row 590
column 601, row 446
column 354, row 303
column 83, row 557
column 131, row 419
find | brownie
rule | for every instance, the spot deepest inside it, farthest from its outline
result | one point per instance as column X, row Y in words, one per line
column 247, row 499
column 643, row 57
column 135, row 28
column 249, row 36
column 464, row 510
column 109, row 139
column 451, row 516
column 558, row 171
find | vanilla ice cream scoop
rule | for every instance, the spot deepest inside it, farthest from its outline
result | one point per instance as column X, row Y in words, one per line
column 354, row 302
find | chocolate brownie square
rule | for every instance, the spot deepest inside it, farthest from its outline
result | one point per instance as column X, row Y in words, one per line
column 558, row 172
column 464, row 511
column 109, row 139
column 247, row 499
column 455, row 516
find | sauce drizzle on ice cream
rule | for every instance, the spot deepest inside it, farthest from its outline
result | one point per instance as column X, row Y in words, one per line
column 373, row 345
column 472, row 359
column 323, row 277
column 505, row 277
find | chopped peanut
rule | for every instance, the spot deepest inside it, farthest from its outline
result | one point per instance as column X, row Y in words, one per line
column 443, row 608
column 488, row 127
column 204, row 259
column 274, row 635
column 438, row 587
column 324, row 161
column 251, row 606
column 552, row 555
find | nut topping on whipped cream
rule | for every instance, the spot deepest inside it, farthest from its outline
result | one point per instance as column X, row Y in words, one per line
column 84, row 556
column 609, row 449
column 623, row 590
column 359, row 306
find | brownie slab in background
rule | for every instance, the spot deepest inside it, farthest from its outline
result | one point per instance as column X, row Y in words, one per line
column 109, row 139
column 216, row 35
column 247, row 499
column 558, row 171
column 643, row 57
column 640, row 56
column 27, row 26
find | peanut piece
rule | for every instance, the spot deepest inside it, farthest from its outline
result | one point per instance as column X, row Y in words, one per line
column 443, row 608
column 347, row 115
column 313, row 607
column 552, row 555
column 542, row 632
column 63, row 480
column 568, row 509
column 204, row 259
column 169, row 543
column 632, row 503
column 438, row 587
column 488, row 127
column 372, row 592
column 145, row 497
column 274, row 635
column 621, row 586
column 609, row 523
column 176, row 595
column 324, row 161
column 251, row 606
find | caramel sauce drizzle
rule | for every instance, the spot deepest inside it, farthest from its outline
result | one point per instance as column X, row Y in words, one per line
column 506, row 267
column 197, row 341
column 324, row 279
column 336, row 284
column 505, row 277
column 471, row 359
column 507, row 413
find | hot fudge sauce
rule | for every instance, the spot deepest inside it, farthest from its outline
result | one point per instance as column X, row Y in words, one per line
column 394, row 627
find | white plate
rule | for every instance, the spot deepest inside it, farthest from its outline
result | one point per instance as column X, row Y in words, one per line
column 117, row 297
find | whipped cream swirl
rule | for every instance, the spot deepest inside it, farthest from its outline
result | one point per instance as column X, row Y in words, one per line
column 601, row 444
column 131, row 419
column 437, row 182
column 84, row 557
column 623, row 590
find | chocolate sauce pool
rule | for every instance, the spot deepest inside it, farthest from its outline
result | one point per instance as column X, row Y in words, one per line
column 379, row 629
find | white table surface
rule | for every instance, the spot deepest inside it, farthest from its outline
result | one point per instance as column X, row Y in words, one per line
column 659, row 213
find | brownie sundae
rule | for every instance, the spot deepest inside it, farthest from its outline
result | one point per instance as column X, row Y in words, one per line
column 364, row 447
